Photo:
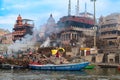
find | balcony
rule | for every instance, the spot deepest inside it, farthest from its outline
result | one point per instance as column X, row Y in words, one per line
column 109, row 36
column 108, row 29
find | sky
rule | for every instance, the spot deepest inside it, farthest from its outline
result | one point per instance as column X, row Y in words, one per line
column 40, row 10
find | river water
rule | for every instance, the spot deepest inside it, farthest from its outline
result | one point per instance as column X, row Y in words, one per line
column 94, row 74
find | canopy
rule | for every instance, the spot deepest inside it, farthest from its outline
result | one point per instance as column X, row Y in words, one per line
column 62, row 49
column 85, row 49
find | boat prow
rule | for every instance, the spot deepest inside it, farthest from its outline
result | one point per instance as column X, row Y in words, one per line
column 91, row 66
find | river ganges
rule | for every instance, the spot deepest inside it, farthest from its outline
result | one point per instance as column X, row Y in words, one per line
column 93, row 74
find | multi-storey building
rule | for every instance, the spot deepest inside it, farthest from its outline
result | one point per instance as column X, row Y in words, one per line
column 110, row 30
column 3, row 32
column 22, row 27
column 7, row 39
column 75, row 29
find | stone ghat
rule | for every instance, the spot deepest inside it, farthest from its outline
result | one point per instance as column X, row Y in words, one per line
column 108, row 65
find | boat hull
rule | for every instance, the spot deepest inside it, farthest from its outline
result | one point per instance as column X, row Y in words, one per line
column 61, row 67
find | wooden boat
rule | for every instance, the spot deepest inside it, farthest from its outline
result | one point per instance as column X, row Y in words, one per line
column 60, row 67
column 10, row 66
column 89, row 67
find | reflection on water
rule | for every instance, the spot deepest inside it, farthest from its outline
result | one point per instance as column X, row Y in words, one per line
column 95, row 74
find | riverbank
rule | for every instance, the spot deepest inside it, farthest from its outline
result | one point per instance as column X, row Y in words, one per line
column 24, row 64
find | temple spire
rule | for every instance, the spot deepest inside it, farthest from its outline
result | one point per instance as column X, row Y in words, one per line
column 19, row 17
column 50, row 15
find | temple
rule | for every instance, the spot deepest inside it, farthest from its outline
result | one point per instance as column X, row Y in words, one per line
column 21, row 28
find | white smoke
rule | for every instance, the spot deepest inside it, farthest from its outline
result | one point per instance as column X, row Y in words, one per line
column 47, row 30
column 46, row 43
column 22, row 45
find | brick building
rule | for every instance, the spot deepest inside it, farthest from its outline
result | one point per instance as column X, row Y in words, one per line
column 110, row 30
column 75, row 29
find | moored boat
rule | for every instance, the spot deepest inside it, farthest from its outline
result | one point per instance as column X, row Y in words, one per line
column 89, row 67
column 60, row 67
column 10, row 66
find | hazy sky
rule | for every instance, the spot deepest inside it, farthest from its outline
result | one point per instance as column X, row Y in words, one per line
column 40, row 10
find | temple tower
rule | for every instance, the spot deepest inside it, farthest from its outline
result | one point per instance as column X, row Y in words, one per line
column 21, row 28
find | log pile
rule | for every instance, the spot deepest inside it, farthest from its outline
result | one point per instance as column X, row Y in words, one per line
column 42, row 56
